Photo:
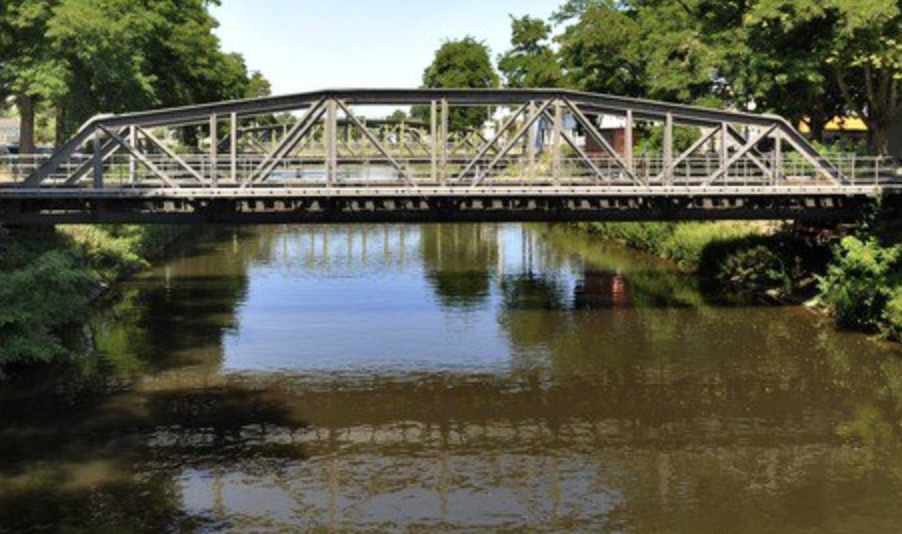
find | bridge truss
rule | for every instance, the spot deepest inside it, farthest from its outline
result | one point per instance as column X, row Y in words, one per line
column 545, row 155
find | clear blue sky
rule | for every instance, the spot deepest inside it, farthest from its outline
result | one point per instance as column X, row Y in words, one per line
column 303, row 45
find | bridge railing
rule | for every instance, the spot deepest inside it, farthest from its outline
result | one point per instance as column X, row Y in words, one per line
column 311, row 169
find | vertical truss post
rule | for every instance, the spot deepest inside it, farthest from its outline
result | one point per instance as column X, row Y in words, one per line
column 233, row 146
column 433, row 134
column 725, row 147
column 332, row 142
column 668, row 149
column 628, row 142
column 557, row 141
column 531, row 142
column 132, row 162
column 444, row 134
column 214, row 150
column 778, row 158
column 98, row 159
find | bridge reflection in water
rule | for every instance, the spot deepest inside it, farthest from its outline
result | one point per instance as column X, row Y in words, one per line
column 536, row 382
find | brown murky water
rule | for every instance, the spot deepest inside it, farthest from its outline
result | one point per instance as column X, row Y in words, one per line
column 449, row 379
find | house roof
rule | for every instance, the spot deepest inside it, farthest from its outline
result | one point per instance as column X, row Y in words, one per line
column 839, row 124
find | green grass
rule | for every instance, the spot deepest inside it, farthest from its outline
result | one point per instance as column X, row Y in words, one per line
column 740, row 255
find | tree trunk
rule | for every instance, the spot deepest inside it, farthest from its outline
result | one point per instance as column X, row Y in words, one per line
column 25, row 104
column 817, row 123
column 818, row 127
column 60, row 134
column 878, row 136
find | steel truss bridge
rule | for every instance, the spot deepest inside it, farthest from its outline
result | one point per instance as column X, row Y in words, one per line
column 545, row 155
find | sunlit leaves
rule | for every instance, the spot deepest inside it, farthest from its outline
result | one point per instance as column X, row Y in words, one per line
column 530, row 62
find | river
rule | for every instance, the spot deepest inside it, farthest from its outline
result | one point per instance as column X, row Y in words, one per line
column 466, row 379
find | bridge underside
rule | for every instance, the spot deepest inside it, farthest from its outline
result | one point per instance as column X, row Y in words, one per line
column 529, row 155
column 365, row 207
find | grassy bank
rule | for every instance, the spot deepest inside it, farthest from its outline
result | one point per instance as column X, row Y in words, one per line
column 858, row 280
column 49, row 277
column 764, row 258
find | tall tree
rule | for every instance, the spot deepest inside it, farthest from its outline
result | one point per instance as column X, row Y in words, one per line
column 598, row 49
column 530, row 62
column 867, row 62
column 30, row 70
column 799, row 86
column 102, row 46
column 804, row 59
column 83, row 57
column 462, row 64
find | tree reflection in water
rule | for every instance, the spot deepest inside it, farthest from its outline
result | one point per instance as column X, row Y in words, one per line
column 620, row 398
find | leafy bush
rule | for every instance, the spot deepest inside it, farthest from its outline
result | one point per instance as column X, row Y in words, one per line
column 684, row 243
column 47, row 279
column 36, row 301
column 736, row 254
column 103, row 253
column 892, row 315
column 857, row 286
column 758, row 267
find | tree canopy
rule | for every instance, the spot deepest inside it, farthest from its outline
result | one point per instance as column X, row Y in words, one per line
column 462, row 64
column 531, row 61
column 805, row 59
column 76, row 58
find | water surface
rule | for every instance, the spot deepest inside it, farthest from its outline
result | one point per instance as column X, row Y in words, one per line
column 493, row 379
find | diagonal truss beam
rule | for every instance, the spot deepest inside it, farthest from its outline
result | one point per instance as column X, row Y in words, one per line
column 688, row 153
column 141, row 157
column 743, row 152
column 287, row 144
column 178, row 159
column 106, row 152
column 753, row 155
column 599, row 176
column 483, row 152
column 375, row 142
column 804, row 148
column 599, row 138
column 531, row 121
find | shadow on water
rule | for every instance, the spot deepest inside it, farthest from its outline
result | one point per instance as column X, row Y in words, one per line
column 452, row 379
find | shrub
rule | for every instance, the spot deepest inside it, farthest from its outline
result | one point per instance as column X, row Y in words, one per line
column 756, row 266
column 37, row 300
column 47, row 279
column 856, row 288
column 892, row 315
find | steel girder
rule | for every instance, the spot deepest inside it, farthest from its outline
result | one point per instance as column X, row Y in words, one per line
column 469, row 160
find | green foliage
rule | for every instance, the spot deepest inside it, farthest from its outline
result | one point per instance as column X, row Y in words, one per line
column 77, row 58
column 37, row 300
column 652, row 139
column 758, row 267
column 530, row 62
column 48, row 279
column 599, row 52
column 857, row 287
column 781, row 262
column 892, row 315
column 804, row 59
column 731, row 254
column 689, row 241
column 461, row 64
column 684, row 243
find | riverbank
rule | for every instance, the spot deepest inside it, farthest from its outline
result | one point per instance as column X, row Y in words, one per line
column 49, row 278
column 857, row 280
